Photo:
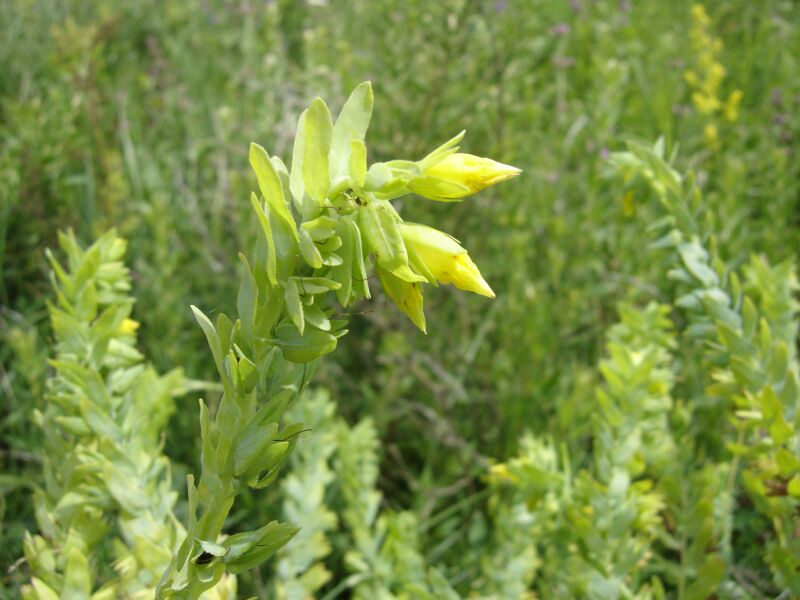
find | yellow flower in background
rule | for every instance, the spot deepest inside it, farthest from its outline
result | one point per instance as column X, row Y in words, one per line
column 731, row 109
column 628, row 205
column 712, row 136
column 499, row 473
column 716, row 73
column 441, row 258
column 706, row 77
column 699, row 15
column 459, row 175
column 705, row 104
column 128, row 326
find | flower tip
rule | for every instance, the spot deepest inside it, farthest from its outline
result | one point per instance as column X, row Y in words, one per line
column 418, row 318
column 505, row 172
column 484, row 290
column 475, row 284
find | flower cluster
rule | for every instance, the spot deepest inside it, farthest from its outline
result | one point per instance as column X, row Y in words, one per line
column 434, row 257
column 707, row 77
column 409, row 255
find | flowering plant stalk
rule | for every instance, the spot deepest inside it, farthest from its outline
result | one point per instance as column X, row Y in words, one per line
column 745, row 322
column 323, row 225
column 105, row 413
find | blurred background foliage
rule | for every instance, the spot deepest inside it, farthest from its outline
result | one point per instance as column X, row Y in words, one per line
column 138, row 115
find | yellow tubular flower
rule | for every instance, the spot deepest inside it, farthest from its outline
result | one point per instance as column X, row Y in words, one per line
column 459, row 175
column 441, row 258
column 407, row 296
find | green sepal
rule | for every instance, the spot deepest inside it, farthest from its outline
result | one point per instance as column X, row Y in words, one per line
column 317, row 318
column 293, row 304
column 321, row 228
column 315, row 285
column 272, row 409
column 442, row 152
column 359, row 275
column 343, row 273
column 331, row 259
column 386, row 183
column 441, row 190
column 249, row 549
column 331, row 244
column 251, row 446
column 248, row 372
column 383, row 238
column 309, row 250
column 211, row 548
column 266, row 468
column 305, row 347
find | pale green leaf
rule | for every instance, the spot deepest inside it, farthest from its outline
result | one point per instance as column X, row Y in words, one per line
column 270, row 185
column 351, row 125
column 318, row 132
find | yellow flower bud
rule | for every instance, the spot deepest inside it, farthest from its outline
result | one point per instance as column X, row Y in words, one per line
column 459, row 175
column 441, row 258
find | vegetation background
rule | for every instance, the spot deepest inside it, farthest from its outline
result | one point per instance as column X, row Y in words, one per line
column 138, row 115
